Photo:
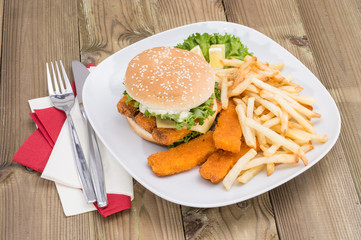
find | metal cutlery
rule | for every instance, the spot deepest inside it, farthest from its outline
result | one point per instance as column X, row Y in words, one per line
column 63, row 99
column 95, row 162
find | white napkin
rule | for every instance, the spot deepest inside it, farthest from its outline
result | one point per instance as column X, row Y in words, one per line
column 62, row 170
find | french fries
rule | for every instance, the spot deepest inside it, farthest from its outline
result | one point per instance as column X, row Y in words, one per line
column 249, row 174
column 240, row 88
column 237, row 168
column 274, row 117
column 249, row 137
column 279, row 158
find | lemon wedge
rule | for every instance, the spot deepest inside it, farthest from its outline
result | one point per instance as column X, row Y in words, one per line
column 216, row 53
column 197, row 50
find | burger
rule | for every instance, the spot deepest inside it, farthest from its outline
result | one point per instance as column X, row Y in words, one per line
column 170, row 95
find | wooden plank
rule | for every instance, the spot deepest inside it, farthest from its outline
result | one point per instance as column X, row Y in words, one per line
column 321, row 203
column 336, row 45
column 251, row 219
column 126, row 23
column 1, row 21
column 34, row 32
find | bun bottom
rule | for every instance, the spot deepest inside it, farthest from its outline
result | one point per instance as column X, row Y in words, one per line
column 140, row 131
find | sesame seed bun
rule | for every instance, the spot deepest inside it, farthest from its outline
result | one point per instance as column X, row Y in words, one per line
column 169, row 79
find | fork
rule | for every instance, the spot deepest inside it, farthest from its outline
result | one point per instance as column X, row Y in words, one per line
column 63, row 99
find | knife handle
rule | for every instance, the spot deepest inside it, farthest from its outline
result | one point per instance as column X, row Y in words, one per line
column 96, row 166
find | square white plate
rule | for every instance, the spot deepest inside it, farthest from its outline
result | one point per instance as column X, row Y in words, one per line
column 104, row 88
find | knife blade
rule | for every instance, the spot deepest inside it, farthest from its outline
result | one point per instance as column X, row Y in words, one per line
column 81, row 73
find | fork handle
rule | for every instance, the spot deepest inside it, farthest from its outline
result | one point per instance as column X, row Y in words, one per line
column 83, row 172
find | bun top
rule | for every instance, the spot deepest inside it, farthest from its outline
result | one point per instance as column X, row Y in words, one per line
column 169, row 79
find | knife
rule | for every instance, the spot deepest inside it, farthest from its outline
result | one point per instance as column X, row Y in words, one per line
column 95, row 162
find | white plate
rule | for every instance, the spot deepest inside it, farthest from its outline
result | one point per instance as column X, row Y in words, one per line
column 104, row 88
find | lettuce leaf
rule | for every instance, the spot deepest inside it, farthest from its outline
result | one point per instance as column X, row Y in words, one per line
column 217, row 92
column 129, row 98
column 233, row 45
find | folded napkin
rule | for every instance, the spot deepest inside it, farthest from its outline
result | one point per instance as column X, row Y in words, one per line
column 49, row 151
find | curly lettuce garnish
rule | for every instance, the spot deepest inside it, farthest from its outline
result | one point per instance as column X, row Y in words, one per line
column 233, row 45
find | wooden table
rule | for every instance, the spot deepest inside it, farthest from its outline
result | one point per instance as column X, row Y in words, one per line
column 322, row 203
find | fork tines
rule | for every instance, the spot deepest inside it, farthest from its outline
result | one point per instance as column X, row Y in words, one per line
column 57, row 80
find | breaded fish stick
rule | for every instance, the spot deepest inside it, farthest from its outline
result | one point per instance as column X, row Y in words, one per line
column 228, row 132
column 183, row 157
column 219, row 163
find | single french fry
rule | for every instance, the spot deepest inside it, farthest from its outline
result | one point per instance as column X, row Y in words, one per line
column 249, row 114
column 250, row 107
column 241, row 74
column 301, row 120
column 288, row 79
column 249, row 174
column 291, row 89
column 277, row 66
column 307, row 147
column 294, row 125
column 301, row 142
column 273, row 136
column 266, row 94
column 284, row 123
column 302, row 156
column 270, row 168
column 267, row 104
column 224, row 93
column 249, row 138
column 300, row 137
column 259, row 110
column 283, row 152
column 237, row 168
column 316, row 137
column 279, row 158
column 271, row 150
column 249, row 61
column 240, row 88
column 260, row 137
column 303, row 110
column 272, row 122
column 239, row 101
column 268, row 72
column 278, row 78
column 267, row 116
column 245, row 99
column 231, row 62
column 302, row 99
column 252, row 89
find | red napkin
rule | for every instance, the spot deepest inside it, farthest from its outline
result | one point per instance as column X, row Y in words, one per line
column 36, row 150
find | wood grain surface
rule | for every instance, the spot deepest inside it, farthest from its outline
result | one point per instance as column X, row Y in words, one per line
column 322, row 203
